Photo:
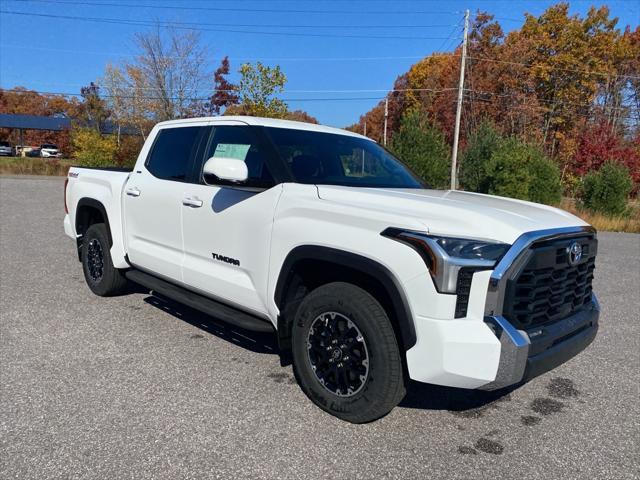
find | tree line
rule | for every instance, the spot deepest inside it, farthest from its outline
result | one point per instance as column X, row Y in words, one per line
column 561, row 93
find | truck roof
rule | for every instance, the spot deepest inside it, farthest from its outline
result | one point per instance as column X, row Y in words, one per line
column 267, row 122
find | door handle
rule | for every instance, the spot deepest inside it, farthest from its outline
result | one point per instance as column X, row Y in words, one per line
column 192, row 202
column 133, row 192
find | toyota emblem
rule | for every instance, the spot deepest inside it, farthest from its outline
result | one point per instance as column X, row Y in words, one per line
column 574, row 253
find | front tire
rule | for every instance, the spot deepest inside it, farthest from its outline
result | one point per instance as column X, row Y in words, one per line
column 101, row 276
column 345, row 353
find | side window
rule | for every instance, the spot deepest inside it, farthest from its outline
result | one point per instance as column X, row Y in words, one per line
column 172, row 152
column 240, row 143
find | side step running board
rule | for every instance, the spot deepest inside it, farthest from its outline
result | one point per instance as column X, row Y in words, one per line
column 194, row 300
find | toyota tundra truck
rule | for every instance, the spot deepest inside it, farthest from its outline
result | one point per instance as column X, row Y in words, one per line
column 368, row 278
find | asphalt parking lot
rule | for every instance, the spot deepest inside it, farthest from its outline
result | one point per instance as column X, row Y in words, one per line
column 136, row 387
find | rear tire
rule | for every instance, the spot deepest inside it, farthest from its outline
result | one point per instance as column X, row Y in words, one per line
column 345, row 353
column 101, row 276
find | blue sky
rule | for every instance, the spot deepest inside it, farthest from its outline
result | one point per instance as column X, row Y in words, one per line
column 61, row 55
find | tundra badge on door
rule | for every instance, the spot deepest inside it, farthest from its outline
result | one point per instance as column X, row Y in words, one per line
column 229, row 260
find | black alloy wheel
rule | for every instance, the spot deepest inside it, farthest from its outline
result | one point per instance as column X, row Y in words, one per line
column 95, row 260
column 338, row 354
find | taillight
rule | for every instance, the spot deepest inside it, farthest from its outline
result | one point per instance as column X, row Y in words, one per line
column 66, row 182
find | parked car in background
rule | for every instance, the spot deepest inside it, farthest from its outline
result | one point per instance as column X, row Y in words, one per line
column 6, row 149
column 48, row 150
column 31, row 152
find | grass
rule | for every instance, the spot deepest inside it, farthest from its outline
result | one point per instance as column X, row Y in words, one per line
column 34, row 166
column 629, row 223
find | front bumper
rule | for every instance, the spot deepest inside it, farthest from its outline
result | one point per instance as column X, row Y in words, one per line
column 527, row 354
column 484, row 350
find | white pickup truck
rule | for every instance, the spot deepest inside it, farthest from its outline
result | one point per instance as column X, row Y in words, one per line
column 368, row 278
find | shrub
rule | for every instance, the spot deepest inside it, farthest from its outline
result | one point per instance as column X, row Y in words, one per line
column 520, row 170
column 473, row 168
column 421, row 146
column 92, row 149
column 607, row 190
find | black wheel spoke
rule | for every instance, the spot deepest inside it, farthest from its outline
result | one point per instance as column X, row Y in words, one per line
column 95, row 260
column 337, row 353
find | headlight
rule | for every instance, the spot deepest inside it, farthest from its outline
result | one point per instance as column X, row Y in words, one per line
column 445, row 256
column 471, row 249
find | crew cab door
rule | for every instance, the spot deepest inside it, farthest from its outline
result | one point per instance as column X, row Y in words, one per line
column 153, row 199
column 227, row 228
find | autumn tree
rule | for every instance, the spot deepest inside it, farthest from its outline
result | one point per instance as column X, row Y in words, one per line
column 115, row 85
column 300, row 116
column 258, row 90
column 20, row 100
column 598, row 144
column 140, row 109
column 92, row 149
column 93, row 111
column 225, row 92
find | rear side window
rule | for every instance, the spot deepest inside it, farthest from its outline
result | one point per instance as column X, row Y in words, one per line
column 172, row 153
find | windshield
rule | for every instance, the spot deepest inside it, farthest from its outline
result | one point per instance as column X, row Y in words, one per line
column 4, row 144
column 333, row 159
column 49, row 145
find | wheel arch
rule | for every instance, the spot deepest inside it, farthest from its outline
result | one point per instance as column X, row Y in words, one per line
column 295, row 280
column 88, row 212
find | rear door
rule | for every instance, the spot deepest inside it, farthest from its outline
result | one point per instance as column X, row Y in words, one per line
column 153, row 201
column 227, row 230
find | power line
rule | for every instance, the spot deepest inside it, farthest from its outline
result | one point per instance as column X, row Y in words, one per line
column 278, row 59
column 235, row 9
column 286, row 25
column 452, row 35
column 161, row 24
column 542, row 100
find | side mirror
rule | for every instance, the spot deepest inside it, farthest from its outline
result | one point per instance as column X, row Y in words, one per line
column 230, row 169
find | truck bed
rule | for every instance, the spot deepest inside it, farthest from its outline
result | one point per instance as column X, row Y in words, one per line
column 101, row 188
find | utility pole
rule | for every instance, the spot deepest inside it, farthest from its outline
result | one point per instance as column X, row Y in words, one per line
column 386, row 114
column 456, row 132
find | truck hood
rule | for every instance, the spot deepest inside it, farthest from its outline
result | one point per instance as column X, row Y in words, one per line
column 452, row 213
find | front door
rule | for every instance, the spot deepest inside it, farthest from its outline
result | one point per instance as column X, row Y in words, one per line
column 227, row 230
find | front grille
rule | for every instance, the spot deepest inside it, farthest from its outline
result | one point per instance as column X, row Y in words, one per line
column 548, row 288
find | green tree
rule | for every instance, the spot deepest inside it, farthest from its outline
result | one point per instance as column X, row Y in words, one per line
column 92, row 149
column 607, row 189
column 258, row 88
column 520, row 170
column 482, row 145
column 545, row 185
column 419, row 144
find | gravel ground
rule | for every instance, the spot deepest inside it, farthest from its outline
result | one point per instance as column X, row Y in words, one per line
column 136, row 387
